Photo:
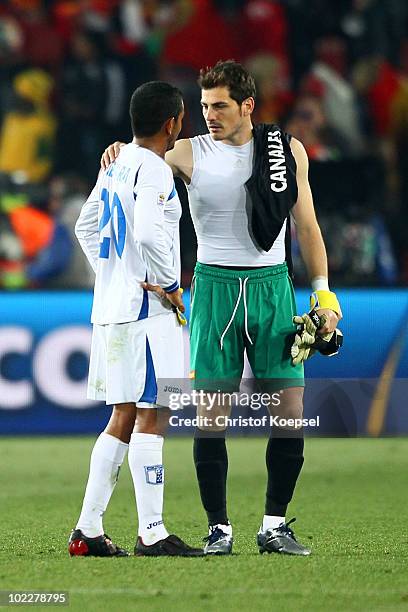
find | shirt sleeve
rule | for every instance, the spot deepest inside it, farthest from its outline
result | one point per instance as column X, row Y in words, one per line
column 87, row 228
column 151, row 192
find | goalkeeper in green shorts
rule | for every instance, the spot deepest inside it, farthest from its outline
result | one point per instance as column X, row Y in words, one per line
column 242, row 183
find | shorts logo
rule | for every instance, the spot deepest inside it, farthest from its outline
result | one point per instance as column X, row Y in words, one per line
column 154, row 474
column 172, row 389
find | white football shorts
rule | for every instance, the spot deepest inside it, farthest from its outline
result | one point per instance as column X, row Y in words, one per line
column 140, row 361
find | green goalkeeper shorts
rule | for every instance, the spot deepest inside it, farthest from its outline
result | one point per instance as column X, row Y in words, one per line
column 237, row 310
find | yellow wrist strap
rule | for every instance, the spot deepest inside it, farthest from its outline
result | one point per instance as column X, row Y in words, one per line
column 325, row 299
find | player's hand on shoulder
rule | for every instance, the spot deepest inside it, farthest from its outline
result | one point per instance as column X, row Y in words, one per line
column 110, row 154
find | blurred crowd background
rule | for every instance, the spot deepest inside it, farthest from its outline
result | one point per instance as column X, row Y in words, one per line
column 333, row 72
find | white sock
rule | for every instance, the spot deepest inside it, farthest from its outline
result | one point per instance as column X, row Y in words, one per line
column 225, row 528
column 146, row 466
column 271, row 522
column 106, row 458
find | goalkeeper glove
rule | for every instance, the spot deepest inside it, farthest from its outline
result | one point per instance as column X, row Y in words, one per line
column 307, row 342
column 180, row 316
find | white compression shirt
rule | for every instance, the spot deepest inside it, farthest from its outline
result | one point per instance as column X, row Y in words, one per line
column 219, row 202
column 129, row 231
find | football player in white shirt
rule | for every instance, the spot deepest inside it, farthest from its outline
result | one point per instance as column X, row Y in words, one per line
column 128, row 229
column 215, row 168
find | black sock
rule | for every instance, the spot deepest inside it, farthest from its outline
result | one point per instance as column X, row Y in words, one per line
column 284, row 460
column 211, row 462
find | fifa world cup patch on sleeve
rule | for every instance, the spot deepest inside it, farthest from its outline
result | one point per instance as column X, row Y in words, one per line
column 154, row 474
column 161, row 198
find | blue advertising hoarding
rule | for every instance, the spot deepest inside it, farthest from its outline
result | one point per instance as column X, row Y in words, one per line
column 44, row 351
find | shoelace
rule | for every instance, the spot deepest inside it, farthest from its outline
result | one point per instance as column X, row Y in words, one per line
column 109, row 543
column 214, row 536
column 242, row 290
column 285, row 529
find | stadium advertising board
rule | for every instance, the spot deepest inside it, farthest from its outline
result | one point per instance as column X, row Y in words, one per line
column 44, row 351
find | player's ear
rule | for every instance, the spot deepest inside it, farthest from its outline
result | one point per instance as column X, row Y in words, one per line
column 248, row 107
column 169, row 126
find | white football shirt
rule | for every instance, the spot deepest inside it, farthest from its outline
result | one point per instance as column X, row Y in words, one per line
column 129, row 231
column 219, row 206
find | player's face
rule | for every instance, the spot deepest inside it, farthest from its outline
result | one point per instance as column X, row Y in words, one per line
column 178, row 124
column 223, row 115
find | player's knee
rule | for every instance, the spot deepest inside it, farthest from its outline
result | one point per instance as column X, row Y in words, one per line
column 212, row 422
column 292, row 412
column 212, row 418
column 290, row 407
column 152, row 421
column 124, row 414
column 122, row 421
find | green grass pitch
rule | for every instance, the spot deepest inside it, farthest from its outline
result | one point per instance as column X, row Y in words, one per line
column 351, row 505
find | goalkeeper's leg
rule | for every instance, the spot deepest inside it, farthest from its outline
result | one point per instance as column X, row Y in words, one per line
column 284, row 454
column 284, row 461
column 211, row 462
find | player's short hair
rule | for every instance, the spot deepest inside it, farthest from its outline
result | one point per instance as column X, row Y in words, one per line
column 151, row 105
column 229, row 74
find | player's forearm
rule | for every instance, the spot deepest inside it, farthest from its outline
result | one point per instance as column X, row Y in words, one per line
column 160, row 264
column 313, row 251
column 90, row 246
column 87, row 236
column 156, row 250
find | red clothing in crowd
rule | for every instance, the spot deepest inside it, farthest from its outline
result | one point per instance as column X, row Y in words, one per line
column 381, row 96
column 204, row 40
column 264, row 30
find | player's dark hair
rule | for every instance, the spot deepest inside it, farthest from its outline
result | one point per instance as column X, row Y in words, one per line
column 229, row 74
column 151, row 105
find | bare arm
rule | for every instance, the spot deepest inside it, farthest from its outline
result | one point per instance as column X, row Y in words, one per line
column 308, row 231
column 180, row 159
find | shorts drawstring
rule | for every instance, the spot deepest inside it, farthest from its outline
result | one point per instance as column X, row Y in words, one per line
column 246, row 312
column 242, row 290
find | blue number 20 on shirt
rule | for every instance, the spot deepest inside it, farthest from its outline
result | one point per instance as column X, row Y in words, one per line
column 108, row 217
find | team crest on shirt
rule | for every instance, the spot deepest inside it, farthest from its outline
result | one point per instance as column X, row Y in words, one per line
column 154, row 474
column 161, row 199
